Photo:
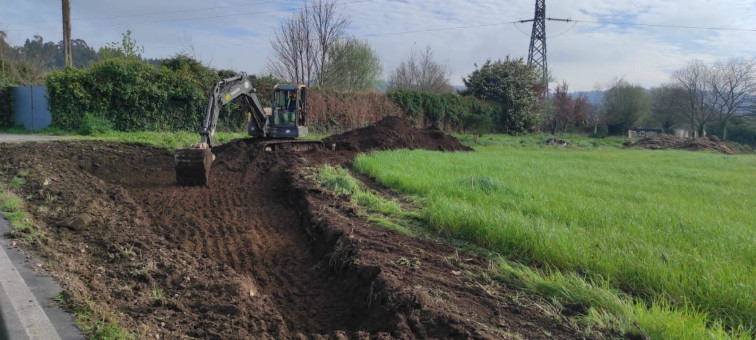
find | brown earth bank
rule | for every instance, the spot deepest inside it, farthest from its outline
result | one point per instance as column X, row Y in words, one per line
column 260, row 253
column 394, row 133
column 659, row 142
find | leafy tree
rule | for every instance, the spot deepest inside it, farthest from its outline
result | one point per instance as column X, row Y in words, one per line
column 667, row 106
column 264, row 86
column 513, row 85
column 625, row 105
column 127, row 48
column 353, row 65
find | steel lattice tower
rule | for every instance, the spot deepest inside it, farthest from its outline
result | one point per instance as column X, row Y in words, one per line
column 537, row 53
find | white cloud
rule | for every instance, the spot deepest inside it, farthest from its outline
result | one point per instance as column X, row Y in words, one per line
column 586, row 55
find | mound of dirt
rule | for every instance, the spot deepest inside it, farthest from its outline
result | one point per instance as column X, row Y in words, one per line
column 659, row 142
column 393, row 133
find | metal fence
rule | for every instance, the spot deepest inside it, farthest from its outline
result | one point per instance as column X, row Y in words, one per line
column 30, row 107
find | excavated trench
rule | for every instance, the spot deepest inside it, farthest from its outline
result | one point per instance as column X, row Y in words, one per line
column 252, row 220
column 260, row 253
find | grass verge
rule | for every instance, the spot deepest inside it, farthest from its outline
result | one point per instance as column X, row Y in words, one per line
column 98, row 324
column 670, row 228
column 376, row 209
column 12, row 208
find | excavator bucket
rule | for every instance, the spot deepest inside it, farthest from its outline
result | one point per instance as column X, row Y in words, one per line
column 193, row 166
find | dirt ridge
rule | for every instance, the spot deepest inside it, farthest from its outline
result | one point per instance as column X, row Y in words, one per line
column 661, row 142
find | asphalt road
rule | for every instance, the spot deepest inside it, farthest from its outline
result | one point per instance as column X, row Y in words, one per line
column 11, row 138
column 27, row 309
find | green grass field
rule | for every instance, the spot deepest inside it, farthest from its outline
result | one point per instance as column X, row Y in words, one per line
column 670, row 228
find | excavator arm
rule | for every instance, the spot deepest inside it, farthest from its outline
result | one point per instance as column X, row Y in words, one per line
column 193, row 164
column 225, row 91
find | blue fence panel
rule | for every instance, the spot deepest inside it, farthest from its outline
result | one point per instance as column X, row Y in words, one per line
column 30, row 107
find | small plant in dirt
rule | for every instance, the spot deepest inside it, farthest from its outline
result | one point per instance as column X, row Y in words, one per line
column 403, row 261
column 157, row 294
column 16, row 182
column 127, row 251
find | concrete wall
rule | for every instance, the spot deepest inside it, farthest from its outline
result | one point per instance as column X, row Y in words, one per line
column 30, row 107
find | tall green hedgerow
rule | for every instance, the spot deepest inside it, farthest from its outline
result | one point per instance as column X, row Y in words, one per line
column 444, row 110
column 6, row 104
column 137, row 96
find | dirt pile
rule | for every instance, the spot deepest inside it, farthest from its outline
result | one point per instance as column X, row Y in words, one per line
column 659, row 142
column 392, row 133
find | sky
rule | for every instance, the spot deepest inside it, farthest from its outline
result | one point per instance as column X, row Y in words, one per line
column 236, row 34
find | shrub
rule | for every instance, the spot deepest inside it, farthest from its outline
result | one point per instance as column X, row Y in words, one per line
column 6, row 104
column 447, row 111
column 136, row 96
column 93, row 124
column 337, row 111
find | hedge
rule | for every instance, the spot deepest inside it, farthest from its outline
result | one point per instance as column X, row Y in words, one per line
column 6, row 104
column 135, row 96
column 339, row 111
column 448, row 111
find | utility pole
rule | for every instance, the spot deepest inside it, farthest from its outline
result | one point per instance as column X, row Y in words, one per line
column 537, row 52
column 67, row 33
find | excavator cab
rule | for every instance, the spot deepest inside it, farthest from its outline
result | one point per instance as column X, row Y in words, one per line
column 286, row 117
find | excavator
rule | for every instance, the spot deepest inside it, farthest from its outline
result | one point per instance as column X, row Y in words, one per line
column 272, row 128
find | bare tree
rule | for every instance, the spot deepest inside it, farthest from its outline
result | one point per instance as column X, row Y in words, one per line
column 293, row 49
column 695, row 79
column 568, row 112
column 329, row 26
column 421, row 72
column 733, row 84
column 303, row 43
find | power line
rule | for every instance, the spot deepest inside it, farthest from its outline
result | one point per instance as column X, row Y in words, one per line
column 149, row 14
column 376, row 34
column 202, row 17
column 602, row 22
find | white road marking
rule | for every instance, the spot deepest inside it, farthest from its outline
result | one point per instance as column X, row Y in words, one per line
column 33, row 318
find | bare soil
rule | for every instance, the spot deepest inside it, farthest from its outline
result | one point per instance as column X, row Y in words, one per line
column 260, row 253
column 659, row 142
column 394, row 133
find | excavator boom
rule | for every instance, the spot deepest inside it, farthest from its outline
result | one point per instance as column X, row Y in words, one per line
column 193, row 164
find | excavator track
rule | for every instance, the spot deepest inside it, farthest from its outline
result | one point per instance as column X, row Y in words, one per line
column 193, row 166
column 291, row 145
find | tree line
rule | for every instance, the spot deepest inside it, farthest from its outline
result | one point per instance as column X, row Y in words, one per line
column 704, row 99
column 313, row 46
